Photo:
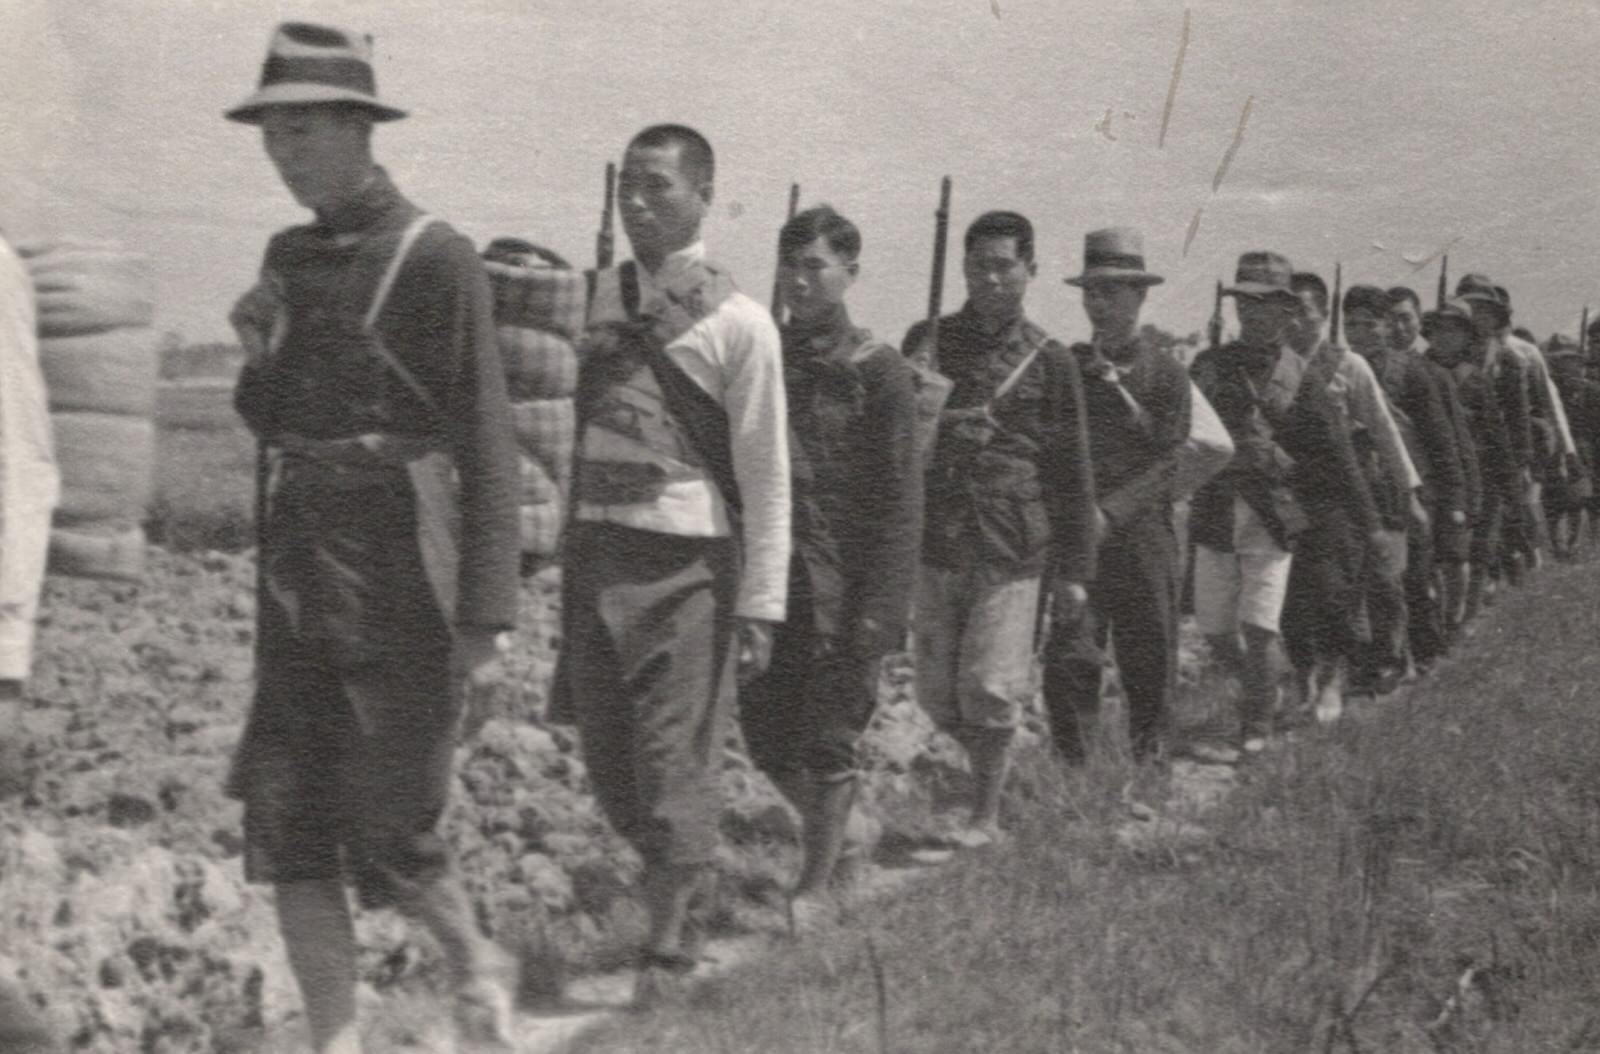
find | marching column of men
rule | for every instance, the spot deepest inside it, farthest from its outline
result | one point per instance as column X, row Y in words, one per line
column 753, row 517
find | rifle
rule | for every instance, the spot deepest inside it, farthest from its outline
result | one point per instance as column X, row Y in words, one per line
column 777, row 282
column 1583, row 340
column 1338, row 308
column 929, row 351
column 605, row 243
column 1444, row 279
column 1214, row 330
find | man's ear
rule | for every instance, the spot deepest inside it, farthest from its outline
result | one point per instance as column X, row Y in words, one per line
column 854, row 267
column 706, row 190
column 1033, row 268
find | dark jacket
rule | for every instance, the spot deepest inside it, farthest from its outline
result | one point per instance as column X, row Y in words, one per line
column 1426, row 425
column 1138, row 423
column 1017, row 494
column 1294, row 463
column 438, row 322
column 1461, row 428
column 857, row 488
column 1497, row 412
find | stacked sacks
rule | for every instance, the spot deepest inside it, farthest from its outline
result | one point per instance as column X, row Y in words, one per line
column 539, row 305
column 99, row 356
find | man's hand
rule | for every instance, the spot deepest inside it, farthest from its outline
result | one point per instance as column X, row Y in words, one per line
column 261, row 319
column 478, row 651
column 753, row 638
column 1070, row 602
column 1102, row 525
column 1458, row 517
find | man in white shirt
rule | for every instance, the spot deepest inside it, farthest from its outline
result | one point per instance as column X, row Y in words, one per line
column 676, row 565
column 28, row 485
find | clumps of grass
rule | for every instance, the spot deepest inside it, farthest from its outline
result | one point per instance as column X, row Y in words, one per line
column 1423, row 877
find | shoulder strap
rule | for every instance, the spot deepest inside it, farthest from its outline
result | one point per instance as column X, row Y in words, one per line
column 381, row 297
column 1016, row 375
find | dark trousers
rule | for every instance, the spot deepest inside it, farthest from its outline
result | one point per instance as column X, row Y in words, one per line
column 1132, row 606
column 1321, row 607
column 649, row 662
column 1424, row 615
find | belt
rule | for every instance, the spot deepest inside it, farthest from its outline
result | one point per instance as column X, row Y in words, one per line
column 370, row 450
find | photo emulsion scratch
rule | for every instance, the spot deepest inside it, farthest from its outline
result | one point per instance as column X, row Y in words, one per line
column 851, row 527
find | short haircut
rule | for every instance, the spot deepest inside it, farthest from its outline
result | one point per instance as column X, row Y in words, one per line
column 1001, row 224
column 1397, row 293
column 1366, row 298
column 694, row 150
column 1302, row 281
column 1525, row 333
column 820, row 221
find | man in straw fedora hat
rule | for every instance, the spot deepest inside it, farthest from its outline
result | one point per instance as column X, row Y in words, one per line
column 1138, row 404
column 1293, row 466
column 388, row 544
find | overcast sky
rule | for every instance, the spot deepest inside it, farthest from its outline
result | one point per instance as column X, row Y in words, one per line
column 1378, row 132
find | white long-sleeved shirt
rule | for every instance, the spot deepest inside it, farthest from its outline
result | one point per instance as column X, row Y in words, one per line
column 28, row 480
column 1359, row 394
column 736, row 355
column 1530, row 354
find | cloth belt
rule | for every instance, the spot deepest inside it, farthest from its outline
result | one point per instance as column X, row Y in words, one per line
column 354, row 457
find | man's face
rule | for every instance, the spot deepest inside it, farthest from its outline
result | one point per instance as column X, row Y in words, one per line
column 814, row 280
column 1404, row 324
column 1265, row 321
column 1367, row 331
column 997, row 277
column 662, row 205
column 321, row 152
column 1308, row 322
column 1450, row 340
column 1485, row 318
column 1113, row 307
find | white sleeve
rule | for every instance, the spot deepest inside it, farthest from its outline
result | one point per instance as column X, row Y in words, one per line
column 1371, row 407
column 758, row 425
column 28, row 479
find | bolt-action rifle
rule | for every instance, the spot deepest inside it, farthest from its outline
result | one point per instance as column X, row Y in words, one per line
column 605, row 243
column 777, row 284
column 1444, row 280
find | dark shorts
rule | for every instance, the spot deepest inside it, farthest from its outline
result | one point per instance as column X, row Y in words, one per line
column 809, row 709
column 648, row 660
column 345, row 774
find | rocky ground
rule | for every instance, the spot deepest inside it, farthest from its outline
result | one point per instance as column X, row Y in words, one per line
column 123, row 911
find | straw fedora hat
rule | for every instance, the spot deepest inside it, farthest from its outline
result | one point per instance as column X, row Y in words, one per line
column 1262, row 274
column 308, row 64
column 1115, row 254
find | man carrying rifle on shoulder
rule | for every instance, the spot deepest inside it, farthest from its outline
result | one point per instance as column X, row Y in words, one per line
column 857, row 490
column 1010, row 499
column 1138, row 404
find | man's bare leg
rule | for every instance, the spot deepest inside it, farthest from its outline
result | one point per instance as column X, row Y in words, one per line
column 826, row 822
column 483, row 978
column 989, row 753
column 319, row 936
column 668, row 892
column 1258, row 695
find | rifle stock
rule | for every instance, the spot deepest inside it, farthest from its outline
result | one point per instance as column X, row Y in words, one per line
column 941, row 237
column 777, row 284
column 605, row 243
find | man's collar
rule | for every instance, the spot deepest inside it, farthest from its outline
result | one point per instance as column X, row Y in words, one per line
column 989, row 326
column 366, row 206
column 820, row 335
column 675, row 263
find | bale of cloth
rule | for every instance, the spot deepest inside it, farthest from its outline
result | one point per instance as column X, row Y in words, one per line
column 539, row 309
column 100, row 360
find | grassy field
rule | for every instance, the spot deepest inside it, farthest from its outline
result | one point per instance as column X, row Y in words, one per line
column 205, row 465
column 1424, row 877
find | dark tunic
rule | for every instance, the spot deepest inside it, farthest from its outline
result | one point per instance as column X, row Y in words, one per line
column 1017, row 498
column 369, row 561
column 1138, row 423
column 857, row 532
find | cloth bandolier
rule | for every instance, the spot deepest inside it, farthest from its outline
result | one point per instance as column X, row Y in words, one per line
column 1419, row 407
column 392, row 520
column 653, row 560
column 857, row 496
column 1138, row 423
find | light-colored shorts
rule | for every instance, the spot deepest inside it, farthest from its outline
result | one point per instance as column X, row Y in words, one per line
column 1239, row 589
column 974, row 651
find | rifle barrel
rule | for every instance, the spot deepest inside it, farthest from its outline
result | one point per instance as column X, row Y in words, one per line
column 605, row 243
column 777, row 286
column 1444, row 279
column 1214, row 331
column 1338, row 307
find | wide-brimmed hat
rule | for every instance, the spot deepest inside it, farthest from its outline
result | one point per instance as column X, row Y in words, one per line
column 1456, row 309
column 1115, row 254
column 1478, row 289
column 1262, row 274
column 308, row 64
